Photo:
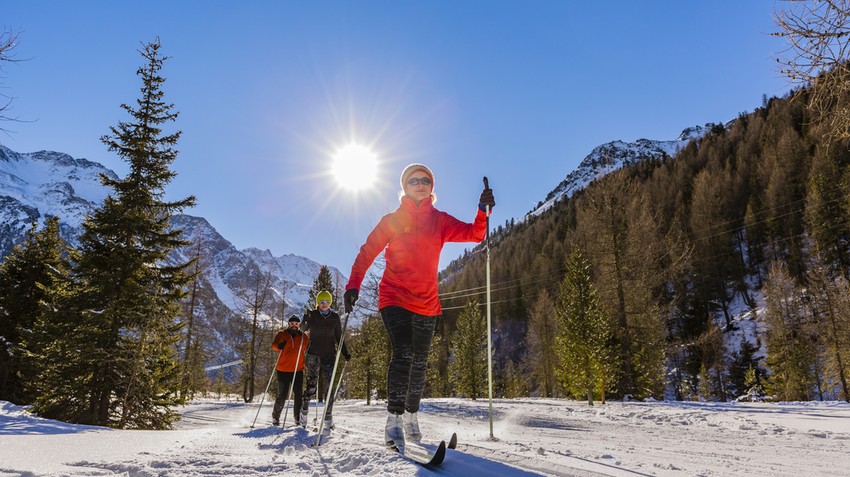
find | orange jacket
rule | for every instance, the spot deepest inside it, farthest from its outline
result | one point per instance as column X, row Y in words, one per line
column 290, row 346
column 413, row 237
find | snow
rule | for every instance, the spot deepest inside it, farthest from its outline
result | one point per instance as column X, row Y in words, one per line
column 533, row 437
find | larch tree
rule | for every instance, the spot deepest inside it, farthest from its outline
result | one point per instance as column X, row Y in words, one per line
column 830, row 305
column 790, row 348
column 542, row 359
column 254, row 302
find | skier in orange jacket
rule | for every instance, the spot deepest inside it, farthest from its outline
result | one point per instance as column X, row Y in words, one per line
column 292, row 343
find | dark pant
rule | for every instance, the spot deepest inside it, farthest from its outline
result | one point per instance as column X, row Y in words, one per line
column 410, row 338
column 283, row 382
column 312, row 366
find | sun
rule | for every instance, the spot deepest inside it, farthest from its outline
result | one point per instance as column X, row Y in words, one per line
column 355, row 167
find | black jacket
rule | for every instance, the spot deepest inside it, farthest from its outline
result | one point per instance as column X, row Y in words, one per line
column 325, row 333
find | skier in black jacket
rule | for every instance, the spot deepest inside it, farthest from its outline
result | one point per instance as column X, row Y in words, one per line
column 325, row 330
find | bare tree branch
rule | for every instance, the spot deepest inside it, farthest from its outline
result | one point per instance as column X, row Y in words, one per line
column 8, row 42
column 816, row 58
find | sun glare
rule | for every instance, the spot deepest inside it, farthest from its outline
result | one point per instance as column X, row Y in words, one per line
column 355, row 167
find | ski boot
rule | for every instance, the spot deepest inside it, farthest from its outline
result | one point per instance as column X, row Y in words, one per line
column 394, row 433
column 411, row 427
column 302, row 420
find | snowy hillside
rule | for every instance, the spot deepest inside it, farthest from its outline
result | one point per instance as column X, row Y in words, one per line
column 534, row 437
column 612, row 156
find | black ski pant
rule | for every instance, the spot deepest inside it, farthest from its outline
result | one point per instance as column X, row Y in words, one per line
column 284, row 380
column 410, row 339
column 311, row 365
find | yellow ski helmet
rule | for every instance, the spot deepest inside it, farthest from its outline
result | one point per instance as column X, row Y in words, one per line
column 324, row 295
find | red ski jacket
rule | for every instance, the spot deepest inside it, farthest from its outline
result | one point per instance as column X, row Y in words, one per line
column 284, row 341
column 413, row 237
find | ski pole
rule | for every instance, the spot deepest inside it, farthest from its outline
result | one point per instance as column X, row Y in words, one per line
column 331, row 381
column 292, row 384
column 267, row 389
column 489, row 323
column 341, row 374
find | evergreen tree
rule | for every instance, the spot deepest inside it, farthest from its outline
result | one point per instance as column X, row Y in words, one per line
column 468, row 368
column 370, row 357
column 743, row 363
column 584, row 331
column 29, row 276
column 121, row 360
column 324, row 281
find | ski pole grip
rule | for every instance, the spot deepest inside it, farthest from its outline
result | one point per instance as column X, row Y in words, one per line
column 486, row 183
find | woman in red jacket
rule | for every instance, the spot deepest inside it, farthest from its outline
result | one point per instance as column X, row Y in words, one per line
column 292, row 343
column 408, row 300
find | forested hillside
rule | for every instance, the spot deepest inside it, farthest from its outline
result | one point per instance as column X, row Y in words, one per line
column 752, row 215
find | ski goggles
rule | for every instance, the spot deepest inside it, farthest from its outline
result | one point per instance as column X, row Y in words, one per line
column 419, row 180
column 324, row 302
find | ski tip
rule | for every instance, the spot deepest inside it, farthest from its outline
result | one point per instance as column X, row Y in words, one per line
column 439, row 455
column 453, row 441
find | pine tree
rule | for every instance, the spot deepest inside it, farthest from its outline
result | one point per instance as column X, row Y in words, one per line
column 468, row 368
column 29, row 276
column 743, row 362
column 584, row 331
column 324, row 281
column 122, row 358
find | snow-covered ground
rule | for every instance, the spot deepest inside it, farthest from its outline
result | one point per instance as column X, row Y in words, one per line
column 533, row 437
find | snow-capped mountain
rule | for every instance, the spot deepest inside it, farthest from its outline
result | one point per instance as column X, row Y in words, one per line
column 612, row 156
column 43, row 183
column 46, row 183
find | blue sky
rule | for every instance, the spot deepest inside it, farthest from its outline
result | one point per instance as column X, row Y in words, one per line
column 268, row 90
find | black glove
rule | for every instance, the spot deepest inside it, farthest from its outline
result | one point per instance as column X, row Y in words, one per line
column 347, row 356
column 350, row 298
column 486, row 199
column 281, row 345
